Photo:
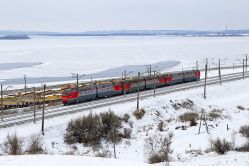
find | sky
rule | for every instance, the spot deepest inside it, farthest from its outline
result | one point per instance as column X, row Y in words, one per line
column 91, row 15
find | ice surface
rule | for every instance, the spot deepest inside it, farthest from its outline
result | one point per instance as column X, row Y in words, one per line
column 131, row 70
column 61, row 56
column 10, row 66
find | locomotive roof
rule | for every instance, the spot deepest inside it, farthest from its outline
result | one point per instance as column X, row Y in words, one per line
column 103, row 82
column 127, row 79
column 185, row 71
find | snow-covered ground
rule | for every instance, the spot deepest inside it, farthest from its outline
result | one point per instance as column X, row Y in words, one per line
column 55, row 160
column 60, row 56
column 189, row 148
column 231, row 159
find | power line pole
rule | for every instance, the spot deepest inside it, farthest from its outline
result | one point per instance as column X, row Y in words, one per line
column 77, row 84
column 219, row 72
column 203, row 117
column 243, row 68
column 206, row 123
column 43, row 108
column 34, row 106
column 200, row 121
column 124, row 82
column 124, row 74
column 205, row 84
column 246, row 62
column 114, row 139
column 196, row 65
column 150, row 71
column 154, row 83
column 138, row 90
column 2, row 102
column 25, row 84
column 77, row 79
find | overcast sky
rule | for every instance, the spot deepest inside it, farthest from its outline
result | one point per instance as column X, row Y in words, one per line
column 83, row 15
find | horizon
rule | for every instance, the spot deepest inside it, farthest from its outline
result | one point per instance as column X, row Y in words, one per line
column 124, row 30
column 96, row 15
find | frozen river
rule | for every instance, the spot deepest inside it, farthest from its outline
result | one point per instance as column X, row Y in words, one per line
column 60, row 56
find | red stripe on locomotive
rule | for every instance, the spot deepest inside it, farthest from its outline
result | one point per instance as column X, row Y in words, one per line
column 69, row 96
column 161, row 79
column 120, row 87
column 165, row 79
column 169, row 78
column 197, row 73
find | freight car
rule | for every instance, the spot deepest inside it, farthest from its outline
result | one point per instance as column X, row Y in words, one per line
column 114, row 87
column 24, row 100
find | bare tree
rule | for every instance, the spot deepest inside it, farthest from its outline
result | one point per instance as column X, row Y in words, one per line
column 13, row 144
column 158, row 148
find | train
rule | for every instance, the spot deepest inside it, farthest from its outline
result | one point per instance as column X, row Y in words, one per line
column 20, row 100
column 114, row 87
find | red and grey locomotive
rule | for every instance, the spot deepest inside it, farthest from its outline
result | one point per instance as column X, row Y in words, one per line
column 114, row 87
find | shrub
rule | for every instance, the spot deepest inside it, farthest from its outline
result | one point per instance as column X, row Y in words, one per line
column 160, row 126
column 69, row 152
column 221, row 146
column 90, row 129
column 110, row 122
column 243, row 148
column 85, row 130
column 214, row 114
column 240, row 107
column 189, row 117
column 193, row 122
column 103, row 153
column 159, row 149
column 155, row 158
column 244, row 130
column 35, row 145
column 187, row 104
column 131, row 123
column 13, row 144
column 139, row 113
column 127, row 133
column 126, row 118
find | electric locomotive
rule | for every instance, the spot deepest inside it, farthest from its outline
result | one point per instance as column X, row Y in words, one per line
column 114, row 87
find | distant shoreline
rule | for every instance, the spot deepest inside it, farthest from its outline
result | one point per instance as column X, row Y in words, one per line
column 14, row 37
column 174, row 33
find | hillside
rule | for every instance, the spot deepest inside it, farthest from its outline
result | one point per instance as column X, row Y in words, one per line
column 226, row 109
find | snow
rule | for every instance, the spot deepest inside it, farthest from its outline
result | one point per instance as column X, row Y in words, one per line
column 231, row 159
column 225, row 97
column 54, row 54
column 41, row 160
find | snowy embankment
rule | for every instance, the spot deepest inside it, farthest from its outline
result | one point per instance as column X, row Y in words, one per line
column 188, row 146
column 230, row 159
column 41, row 160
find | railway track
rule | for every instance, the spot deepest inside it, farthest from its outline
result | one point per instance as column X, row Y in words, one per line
column 18, row 119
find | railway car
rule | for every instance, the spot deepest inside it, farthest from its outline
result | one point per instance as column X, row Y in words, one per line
column 75, row 95
column 107, row 89
column 119, row 86
column 114, row 87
